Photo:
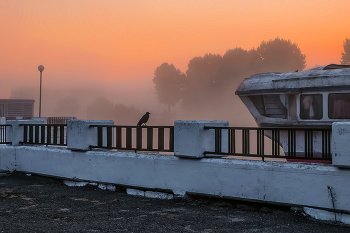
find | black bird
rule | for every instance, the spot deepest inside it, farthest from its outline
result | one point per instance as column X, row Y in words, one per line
column 143, row 119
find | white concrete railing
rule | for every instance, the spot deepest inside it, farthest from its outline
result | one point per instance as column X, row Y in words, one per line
column 191, row 139
column 323, row 187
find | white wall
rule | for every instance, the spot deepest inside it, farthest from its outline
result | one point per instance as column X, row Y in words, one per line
column 321, row 186
column 270, row 182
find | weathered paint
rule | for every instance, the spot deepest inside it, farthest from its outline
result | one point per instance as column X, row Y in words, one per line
column 324, row 187
column 334, row 79
column 81, row 135
column 192, row 139
column 340, row 144
column 15, row 133
column 270, row 182
column 312, row 79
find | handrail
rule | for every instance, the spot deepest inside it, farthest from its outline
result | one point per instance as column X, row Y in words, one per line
column 316, row 143
column 3, row 134
column 45, row 134
column 136, row 138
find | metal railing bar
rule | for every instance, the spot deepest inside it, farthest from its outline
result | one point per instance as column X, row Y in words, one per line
column 171, row 139
column 109, row 137
column 99, row 136
column 161, row 138
column 132, row 149
column 149, row 138
column 3, row 134
column 61, row 135
column 128, row 137
column 42, row 132
column 271, row 128
column 132, row 126
column 139, row 137
column 48, row 134
column 266, row 156
column 118, row 137
column 217, row 140
column 45, row 144
column 55, row 135
column 126, row 134
column 322, row 153
column 42, row 124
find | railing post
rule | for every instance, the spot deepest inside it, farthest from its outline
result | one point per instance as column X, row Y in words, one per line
column 192, row 140
column 80, row 136
column 340, row 144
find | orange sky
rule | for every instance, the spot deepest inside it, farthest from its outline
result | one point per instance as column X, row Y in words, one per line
column 118, row 41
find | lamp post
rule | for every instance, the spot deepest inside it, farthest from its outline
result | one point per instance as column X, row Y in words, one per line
column 40, row 68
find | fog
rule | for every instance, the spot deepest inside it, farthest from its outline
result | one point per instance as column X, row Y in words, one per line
column 205, row 91
column 124, row 102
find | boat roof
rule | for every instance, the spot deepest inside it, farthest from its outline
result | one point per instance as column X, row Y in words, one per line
column 323, row 78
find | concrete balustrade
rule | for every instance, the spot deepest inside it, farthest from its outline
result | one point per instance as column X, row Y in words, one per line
column 192, row 140
column 318, row 187
column 15, row 133
column 340, row 144
column 80, row 136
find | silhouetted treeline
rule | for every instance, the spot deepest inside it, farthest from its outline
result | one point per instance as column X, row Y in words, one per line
column 210, row 81
column 102, row 109
column 345, row 56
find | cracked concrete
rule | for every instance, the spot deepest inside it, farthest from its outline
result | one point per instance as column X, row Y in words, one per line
column 40, row 204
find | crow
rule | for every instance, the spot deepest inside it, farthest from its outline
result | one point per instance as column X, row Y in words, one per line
column 143, row 119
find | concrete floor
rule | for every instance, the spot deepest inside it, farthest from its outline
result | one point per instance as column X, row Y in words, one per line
column 41, row 204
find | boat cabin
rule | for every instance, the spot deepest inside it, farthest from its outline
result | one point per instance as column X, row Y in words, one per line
column 314, row 97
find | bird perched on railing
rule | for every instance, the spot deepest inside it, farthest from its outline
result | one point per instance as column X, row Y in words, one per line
column 143, row 119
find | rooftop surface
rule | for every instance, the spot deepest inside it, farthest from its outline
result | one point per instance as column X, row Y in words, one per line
column 41, row 204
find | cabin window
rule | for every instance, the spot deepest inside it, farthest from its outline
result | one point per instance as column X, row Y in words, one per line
column 339, row 106
column 311, row 106
column 270, row 105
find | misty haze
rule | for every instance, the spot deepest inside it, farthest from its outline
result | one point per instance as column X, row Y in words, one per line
column 102, row 60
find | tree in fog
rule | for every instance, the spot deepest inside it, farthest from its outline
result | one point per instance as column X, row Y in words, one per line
column 345, row 56
column 203, row 81
column 67, row 106
column 211, row 80
column 168, row 83
column 281, row 55
column 239, row 64
column 101, row 109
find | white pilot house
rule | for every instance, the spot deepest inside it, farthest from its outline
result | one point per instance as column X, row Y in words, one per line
column 317, row 96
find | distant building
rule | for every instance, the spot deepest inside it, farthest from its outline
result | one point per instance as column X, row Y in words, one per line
column 17, row 108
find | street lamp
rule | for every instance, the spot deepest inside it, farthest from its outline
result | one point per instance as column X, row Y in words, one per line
column 40, row 68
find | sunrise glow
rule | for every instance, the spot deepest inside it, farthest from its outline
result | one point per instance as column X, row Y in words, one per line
column 96, row 42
